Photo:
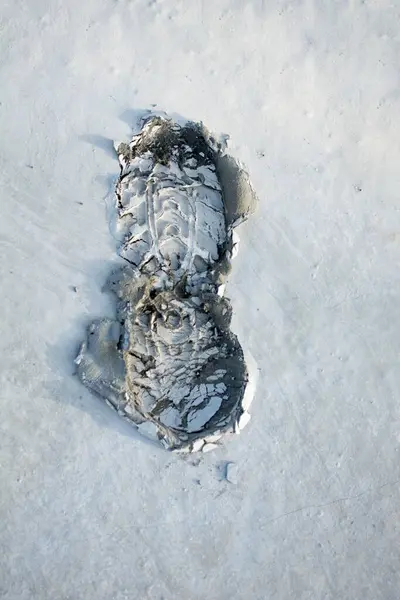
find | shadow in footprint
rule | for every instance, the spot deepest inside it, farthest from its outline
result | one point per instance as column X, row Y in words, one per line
column 99, row 141
column 132, row 117
column 66, row 388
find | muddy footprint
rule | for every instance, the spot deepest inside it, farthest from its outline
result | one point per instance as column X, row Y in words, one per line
column 169, row 362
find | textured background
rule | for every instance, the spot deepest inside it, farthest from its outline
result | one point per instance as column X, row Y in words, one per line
column 309, row 92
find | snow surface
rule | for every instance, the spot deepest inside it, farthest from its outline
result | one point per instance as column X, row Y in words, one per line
column 309, row 92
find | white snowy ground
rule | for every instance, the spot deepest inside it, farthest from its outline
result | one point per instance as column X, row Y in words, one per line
column 309, row 92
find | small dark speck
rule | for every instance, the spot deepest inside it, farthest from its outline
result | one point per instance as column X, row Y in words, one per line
column 197, row 481
column 30, row 166
column 81, row 203
column 358, row 188
column 73, row 288
column 260, row 154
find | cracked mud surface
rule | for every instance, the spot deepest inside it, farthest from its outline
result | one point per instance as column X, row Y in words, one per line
column 169, row 362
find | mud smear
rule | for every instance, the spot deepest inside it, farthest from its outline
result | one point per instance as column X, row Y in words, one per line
column 169, row 362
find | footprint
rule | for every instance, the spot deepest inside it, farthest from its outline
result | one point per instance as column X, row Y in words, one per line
column 169, row 363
